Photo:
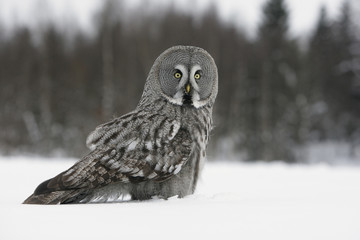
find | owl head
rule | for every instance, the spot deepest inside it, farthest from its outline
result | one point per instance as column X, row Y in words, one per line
column 185, row 76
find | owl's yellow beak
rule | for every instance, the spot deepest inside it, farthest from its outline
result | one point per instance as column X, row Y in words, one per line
column 187, row 88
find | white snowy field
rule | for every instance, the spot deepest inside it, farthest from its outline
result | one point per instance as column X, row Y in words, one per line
column 233, row 201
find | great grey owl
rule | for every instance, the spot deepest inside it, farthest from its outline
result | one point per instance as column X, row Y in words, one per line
column 155, row 151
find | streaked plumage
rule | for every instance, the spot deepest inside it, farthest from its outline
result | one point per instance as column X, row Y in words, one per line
column 155, row 151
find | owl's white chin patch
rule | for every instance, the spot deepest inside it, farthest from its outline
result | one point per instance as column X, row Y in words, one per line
column 177, row 101
column 199, row 104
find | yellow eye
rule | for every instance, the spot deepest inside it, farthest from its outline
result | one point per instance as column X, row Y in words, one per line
column 197, row 76
column 177, row 75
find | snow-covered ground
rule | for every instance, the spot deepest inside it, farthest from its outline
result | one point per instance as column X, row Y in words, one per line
column 233, row 201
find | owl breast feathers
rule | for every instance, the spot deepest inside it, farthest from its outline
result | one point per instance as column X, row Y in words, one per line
column 156, row 150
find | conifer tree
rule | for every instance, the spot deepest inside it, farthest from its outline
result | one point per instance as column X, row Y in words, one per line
column 277, row 83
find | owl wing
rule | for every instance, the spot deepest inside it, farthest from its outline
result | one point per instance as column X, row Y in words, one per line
column 133, row 148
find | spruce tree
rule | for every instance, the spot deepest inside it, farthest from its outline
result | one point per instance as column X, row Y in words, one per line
column 278, row 84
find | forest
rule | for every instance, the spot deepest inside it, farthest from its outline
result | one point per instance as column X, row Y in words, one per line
column 277, row 95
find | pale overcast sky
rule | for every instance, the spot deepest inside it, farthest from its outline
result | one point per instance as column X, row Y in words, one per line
column 245, row 13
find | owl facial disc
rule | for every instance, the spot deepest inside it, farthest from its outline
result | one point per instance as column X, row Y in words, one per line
column 187, row 76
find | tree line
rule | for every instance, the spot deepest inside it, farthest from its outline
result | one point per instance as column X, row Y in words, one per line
column 275, row 96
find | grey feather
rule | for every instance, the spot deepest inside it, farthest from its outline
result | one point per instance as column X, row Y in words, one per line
column 156, row 150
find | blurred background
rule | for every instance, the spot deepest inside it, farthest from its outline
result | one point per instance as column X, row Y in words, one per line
column 289, row 73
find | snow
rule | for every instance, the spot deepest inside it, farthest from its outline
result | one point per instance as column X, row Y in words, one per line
column 233, row 201
column 333, row 152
